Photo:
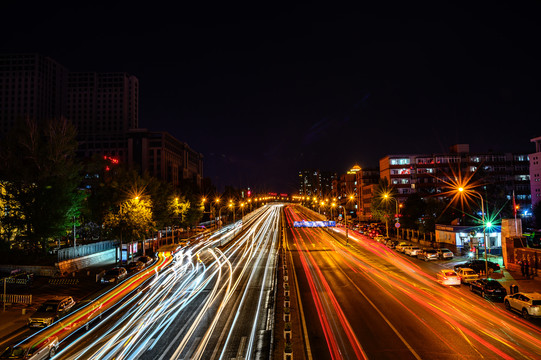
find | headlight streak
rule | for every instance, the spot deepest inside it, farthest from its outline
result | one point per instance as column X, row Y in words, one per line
column 261, row 243
column 167, row 295
column 478, row 323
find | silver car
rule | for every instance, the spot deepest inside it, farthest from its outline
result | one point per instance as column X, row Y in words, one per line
column 33, row 350
column 50, row 311
column 428, row 254
column 528, row 304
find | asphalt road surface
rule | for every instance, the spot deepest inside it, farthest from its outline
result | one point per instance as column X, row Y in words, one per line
column 365, row 300
column 214, row 301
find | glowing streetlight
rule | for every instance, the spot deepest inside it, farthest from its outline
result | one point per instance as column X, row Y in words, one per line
column 469, row 192
column 388, row 197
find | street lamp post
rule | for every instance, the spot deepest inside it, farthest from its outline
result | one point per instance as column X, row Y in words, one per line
column 220, row 214
column 461, row 189
column 346, row 224
column 386, row 196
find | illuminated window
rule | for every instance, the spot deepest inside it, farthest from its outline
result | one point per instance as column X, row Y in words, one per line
column 404, row 161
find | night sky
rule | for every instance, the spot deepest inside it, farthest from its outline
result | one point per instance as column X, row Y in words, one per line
column 265, row 90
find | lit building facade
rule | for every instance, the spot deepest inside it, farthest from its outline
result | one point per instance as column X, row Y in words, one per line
column 535, row 172
column 426, row 174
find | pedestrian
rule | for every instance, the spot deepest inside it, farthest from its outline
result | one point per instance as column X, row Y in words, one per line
column 522, row 268
column 526, row 269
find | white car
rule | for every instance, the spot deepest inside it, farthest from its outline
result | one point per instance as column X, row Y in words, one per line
column 447, row 277
column 405, row 248
column 528, row 304
column 445, row 254
column 467, row 275
column 413, row 251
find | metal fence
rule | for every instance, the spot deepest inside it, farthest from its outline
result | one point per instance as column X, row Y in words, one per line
column 15, row 299
column 85, row 250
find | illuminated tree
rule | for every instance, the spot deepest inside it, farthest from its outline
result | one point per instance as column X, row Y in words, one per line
column 40, row 178
column 132, row 220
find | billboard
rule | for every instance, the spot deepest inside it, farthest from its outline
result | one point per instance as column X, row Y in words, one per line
column 305, row 223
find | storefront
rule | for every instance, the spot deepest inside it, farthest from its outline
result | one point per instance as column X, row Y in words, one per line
column 462, row 239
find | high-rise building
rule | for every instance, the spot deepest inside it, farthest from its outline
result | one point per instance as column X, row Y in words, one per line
column 535, row 172
column 33, row 87
column 103, row 107
column 309, row 183
column 316, row 183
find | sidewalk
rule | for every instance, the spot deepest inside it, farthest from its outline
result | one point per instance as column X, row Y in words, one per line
column 15, row 317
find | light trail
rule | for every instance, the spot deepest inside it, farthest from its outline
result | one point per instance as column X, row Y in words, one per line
column 201, row 284
column 482, row 326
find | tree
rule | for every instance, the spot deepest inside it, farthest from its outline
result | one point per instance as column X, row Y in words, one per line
column 40, row 178
column 380, row 208
column 133, row 220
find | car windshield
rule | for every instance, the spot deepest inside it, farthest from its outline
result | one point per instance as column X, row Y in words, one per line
column 47, row 308
column 16, row 352
column 113, row 272
column 449, row 273
column 469, row 272
column 430, row 251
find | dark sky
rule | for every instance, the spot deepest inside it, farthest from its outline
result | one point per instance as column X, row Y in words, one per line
column 265, row 90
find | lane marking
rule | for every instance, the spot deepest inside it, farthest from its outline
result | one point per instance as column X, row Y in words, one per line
column 299, row 302
column 382, row 316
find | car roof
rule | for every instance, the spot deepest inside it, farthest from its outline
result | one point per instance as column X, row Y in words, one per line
column 531, row 295
column 466, row 269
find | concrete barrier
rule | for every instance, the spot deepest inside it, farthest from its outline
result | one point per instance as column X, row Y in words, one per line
column 69, row 266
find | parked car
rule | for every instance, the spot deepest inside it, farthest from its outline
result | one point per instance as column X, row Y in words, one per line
column 404, row 248
column 479, row 265
column 135, row 266
column 412, row 250
column 391, row 244
column 447, row 277
column 488, row 288
column 400, row 245
column 527, row 304
column 147, row 260
column 34, row 350
column 50, row 311
column 445, row 254
column 428, row 254
column 114, row 275
column 467, row 275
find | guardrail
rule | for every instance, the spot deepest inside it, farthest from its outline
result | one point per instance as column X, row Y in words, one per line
column 85, row 250
column 16, row 299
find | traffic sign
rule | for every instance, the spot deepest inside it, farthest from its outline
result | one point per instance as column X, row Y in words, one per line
column 397, row 225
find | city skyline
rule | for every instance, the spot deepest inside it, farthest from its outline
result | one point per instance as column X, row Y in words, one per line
column 265, row 94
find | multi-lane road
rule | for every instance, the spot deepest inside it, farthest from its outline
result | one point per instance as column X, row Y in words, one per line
column 215, row 301
column 364, row 300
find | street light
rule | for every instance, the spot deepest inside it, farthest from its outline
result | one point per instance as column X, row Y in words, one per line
column 387, row 197
column 474, row 192
column 346, row 224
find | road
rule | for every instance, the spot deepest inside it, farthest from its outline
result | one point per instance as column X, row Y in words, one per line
column 215, row 301
column 367, row 301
